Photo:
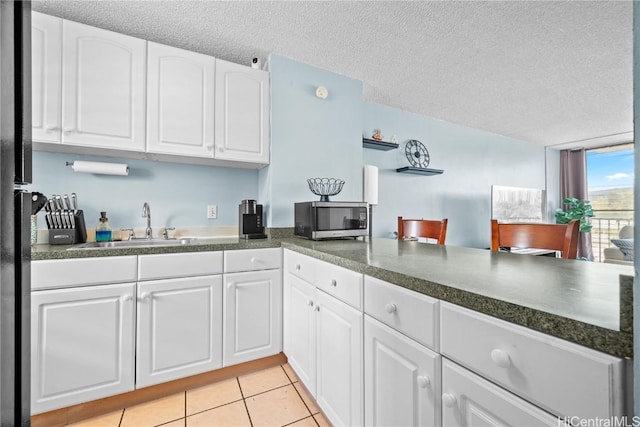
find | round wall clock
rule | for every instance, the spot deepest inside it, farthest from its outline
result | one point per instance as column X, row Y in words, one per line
column 417, row 154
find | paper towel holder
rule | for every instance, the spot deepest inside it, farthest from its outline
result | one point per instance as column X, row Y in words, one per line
column 100, row 168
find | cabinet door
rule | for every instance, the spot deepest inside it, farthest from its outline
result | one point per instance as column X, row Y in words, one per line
column 46, row 58
column 242, row 113
column 402, row 379
column 179, row 328
column 299, row 327
column 470, row 401
column 103, row 88
column 82, row 344
column 252, row 315
column 180, row 87
column 339, row 361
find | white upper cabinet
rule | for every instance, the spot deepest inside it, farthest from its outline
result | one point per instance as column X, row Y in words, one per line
column 180, row 90
column 242, row 113
column 94, row 88
column 46, row 57
column 103, row 88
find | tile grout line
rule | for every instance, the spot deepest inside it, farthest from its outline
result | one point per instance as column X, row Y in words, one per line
column 310, row 416
column 121, row 417
column 244, row 401
column 212, row 408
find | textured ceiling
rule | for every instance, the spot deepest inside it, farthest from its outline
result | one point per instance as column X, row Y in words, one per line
column 550, row 73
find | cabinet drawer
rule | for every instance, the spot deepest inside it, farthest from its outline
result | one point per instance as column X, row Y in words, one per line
column 469, row 400
column 64, row 273
column 252, row 259
column 564, row 378
column 299, row 265
column 165, row 266
column 343, row 284
column 409, row 312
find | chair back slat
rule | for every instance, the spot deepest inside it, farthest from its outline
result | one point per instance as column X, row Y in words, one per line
column 408, row 228
column 558, row 237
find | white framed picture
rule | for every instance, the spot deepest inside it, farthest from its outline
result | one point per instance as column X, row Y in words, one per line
column 517, row 204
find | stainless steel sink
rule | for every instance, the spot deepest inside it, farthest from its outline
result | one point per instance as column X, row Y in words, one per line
column 135, row 243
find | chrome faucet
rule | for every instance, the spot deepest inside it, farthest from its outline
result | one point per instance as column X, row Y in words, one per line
column 146, row 213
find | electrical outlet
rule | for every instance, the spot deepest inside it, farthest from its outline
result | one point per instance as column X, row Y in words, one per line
column 212, row 211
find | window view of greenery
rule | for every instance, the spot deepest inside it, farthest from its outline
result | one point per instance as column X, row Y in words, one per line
column 610, row 188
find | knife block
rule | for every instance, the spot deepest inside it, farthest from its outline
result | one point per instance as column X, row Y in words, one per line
column 70, row 236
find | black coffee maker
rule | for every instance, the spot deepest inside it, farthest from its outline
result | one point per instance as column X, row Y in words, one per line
column 250, row 220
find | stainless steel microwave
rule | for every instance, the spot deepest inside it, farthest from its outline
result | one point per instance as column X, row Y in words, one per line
column 326, row 220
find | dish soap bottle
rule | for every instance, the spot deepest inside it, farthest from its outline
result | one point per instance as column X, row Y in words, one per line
column 103, row 229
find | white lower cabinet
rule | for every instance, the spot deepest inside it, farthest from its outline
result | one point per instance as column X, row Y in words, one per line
column 560, row 377
column 300, row 329
column 82, row 344
column 471, row 401
column 339, row 390
column 323, row 341
column 401, row 378
column 179, row 328
column 252, row 315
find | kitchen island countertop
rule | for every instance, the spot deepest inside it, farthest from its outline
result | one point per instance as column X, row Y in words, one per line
column 584, row 302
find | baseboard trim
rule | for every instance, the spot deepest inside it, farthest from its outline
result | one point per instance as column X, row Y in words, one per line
column 82, row 411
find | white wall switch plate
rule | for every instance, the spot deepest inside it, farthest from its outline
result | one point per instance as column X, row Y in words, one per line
column 212, row 211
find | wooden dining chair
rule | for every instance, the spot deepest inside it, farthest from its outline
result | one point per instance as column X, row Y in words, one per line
column 431, row 229
column 557, row 237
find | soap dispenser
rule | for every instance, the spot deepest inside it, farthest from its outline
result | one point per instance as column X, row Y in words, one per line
column 103, row 229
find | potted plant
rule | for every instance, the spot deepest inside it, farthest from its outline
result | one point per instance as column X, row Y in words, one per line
column 577, row 209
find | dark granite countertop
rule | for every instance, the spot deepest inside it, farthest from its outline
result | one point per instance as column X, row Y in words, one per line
column 583, row 302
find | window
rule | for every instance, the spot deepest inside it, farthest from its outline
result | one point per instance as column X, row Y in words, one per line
column 610, row 189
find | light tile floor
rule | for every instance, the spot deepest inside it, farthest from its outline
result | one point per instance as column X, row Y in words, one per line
column 271, row 397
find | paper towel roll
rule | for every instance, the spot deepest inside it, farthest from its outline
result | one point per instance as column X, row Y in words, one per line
column 100, row 168
column 370, row 181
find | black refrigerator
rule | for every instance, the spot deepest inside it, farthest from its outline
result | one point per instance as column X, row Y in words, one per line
column 15, row 211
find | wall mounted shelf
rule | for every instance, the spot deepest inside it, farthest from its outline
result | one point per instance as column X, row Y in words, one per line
column 378, row 145
column 419, row 171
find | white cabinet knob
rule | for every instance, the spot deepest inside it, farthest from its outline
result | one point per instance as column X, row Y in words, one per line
column 423, row 381
column 501, row 358
column 221, row 149
column 145, row 296
column 334, row 283
column 68, row 130
column 391, row 308
column 310, row 303
column 317, row 308
column 448, row 400
column 127, row 298
column 298, row 267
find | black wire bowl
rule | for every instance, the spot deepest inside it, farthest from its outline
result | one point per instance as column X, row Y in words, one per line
column 325, row 187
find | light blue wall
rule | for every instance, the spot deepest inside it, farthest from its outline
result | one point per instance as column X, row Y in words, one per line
column 472, row 160
column 177, row 193
column 310, row 137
